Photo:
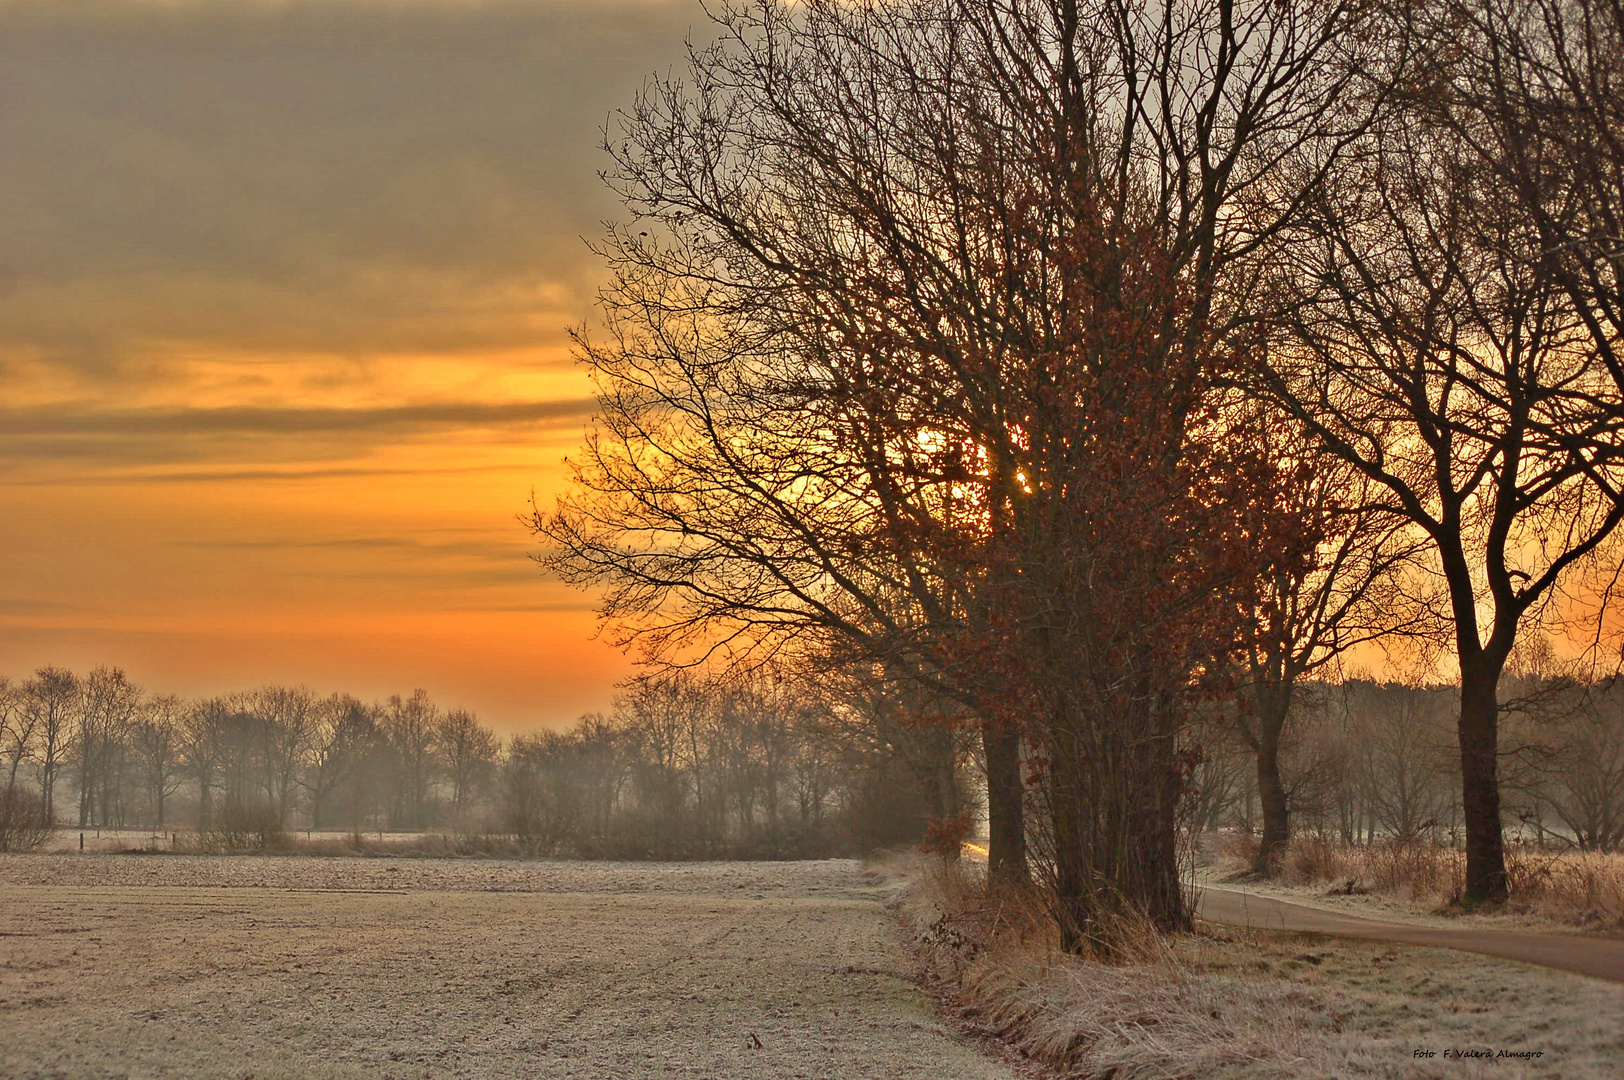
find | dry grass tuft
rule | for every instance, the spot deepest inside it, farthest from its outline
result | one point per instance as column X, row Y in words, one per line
column 1156, row 1016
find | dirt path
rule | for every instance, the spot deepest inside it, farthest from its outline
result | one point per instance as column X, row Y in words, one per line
column 1597, row 957
column 118, row 966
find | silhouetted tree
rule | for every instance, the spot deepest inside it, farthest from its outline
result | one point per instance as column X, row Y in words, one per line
column 156, row 740
column 52, row 697
column 1438, row 355
column 409, row 727
column 469, row 751
column 918, row 347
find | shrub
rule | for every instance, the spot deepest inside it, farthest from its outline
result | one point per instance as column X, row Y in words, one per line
column 22, row 820
column 245, row 825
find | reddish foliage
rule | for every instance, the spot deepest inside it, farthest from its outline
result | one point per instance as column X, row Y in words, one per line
column 945, row 836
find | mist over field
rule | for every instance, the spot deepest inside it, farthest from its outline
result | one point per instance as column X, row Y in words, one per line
column 941, row 538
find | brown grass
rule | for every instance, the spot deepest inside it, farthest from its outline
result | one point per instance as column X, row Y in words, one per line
column 1571, row 887
column 997, row 955
column 1248, row 1003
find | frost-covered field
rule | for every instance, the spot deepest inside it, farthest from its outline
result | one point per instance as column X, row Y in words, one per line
column 299, row 967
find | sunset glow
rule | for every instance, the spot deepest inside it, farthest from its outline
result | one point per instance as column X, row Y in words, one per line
column 283, row 311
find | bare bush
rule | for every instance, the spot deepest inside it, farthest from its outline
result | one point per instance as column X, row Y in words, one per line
column 23, row 826
column 245, row 825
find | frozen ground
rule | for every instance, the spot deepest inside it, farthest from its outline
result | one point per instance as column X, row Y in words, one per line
column 270, row 968
column 69, row 838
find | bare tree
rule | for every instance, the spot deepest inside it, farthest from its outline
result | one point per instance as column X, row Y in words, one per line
column 204, row 733
column 108, row 709
column 1402, row 757
column 469, row 751
column 916, row 343
column 19, row 730
column 1463, row 384
column 1310, row 613
column 21, row 826
column 52, row 696
column 1578, row 779
column 1534, row 91
column 156, row 739
column 409, row 727
column 285, row 721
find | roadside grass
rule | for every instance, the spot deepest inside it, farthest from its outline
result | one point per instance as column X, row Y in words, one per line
column 1245, row 1003
column 1556, row 888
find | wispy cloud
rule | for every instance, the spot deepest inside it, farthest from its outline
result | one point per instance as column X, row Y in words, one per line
column 349, row 176
column 254, row 421
column 239, row 476
column 259, row 444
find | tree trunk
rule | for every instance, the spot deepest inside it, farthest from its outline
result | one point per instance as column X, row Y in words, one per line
column 1006, row 819
column 1270, row 789
column 938, row 778
column 1480, row 783
column 1115, row 793
column 205, row 800
column 48, row 793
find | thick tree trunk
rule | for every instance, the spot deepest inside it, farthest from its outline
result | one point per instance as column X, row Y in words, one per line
column 1480, row 784
column 1276, row 813
column 1006, row 819
column 1115, row 793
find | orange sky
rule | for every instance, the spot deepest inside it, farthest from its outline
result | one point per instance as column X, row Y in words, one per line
column 283, row 291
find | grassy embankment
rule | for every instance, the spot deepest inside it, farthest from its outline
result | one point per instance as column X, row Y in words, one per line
column 1242, row 1003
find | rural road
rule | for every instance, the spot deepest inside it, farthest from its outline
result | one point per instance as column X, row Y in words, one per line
column 1599, row 958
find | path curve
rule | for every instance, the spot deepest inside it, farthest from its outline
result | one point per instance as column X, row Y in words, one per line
column 1600, row 958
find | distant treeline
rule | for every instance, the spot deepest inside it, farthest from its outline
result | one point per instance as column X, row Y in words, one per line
column 1366, row 760
column 680, row 768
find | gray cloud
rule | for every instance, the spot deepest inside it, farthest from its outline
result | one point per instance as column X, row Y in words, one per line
column 14, row 605
column 457, row 558
column 235, row 476
column 476, row 546
column 110, row 439
column 351, row 175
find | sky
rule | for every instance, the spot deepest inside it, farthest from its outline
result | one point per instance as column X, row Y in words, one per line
column 284, row 294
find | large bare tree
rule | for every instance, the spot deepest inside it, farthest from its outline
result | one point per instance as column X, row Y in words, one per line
column 52, row 698
column 916, row 345
column 1439, row 354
